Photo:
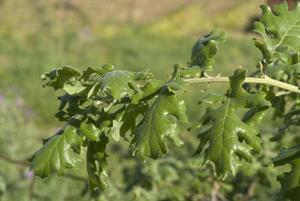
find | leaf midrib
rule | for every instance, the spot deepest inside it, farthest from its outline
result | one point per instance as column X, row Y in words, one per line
column 285, row 35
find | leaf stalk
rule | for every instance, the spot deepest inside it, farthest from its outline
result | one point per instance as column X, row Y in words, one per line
column 264, row 80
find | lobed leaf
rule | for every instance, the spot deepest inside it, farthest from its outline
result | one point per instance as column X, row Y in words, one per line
column 226, row 134
column 158, row 124
column 59, row 152
column 280, row 31
column 116, row 83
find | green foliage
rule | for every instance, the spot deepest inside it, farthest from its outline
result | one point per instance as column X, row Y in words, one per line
column 290, row 182
column 229, row 135
column 16, row 181
column 59, row 152
column 159, row 123
column 101, row 105
column 280, row 32
column 96, row 162
column 280, row 57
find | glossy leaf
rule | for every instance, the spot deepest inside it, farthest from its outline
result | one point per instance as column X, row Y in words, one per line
column 159, row 124
column 90, row 131
column 59, row 152
column 226, row 134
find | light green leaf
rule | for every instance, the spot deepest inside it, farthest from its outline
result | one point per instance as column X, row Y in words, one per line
column 59, row 152
column 158, row 124
column 190, row 72
column 74, row 87
column 115, row 130
column 96, row 163
column 90, row 131
column 280, row 30
column 205, row 50
column 226, row 134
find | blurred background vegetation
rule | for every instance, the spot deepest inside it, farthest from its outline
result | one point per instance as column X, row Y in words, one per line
column 37, row 36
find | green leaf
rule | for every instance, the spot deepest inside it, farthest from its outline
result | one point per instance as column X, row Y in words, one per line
column 115, row 130
column 290, row 182
column 74, row 88
column 287, row 155
column 280, row 30
column 205, row 50
column 226, row 134
column 284, row 72
column 58, row 77
column 116, row 83
column 90, row 131
column 152, row 88
column 96, row 163
column 158, row 124
column 59, row 152
column 190, row 72
column 91, row 74
column 130, row 118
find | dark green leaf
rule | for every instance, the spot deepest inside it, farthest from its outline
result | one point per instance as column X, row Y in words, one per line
column 287, row 155
column 130, row 118
column 205, row 50
column 96, row 163
column 158, row 124
column 58, row 77
column 226, row 133
column 290, row 182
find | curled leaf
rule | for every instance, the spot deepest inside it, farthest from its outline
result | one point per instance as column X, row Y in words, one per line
column 205, row 50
